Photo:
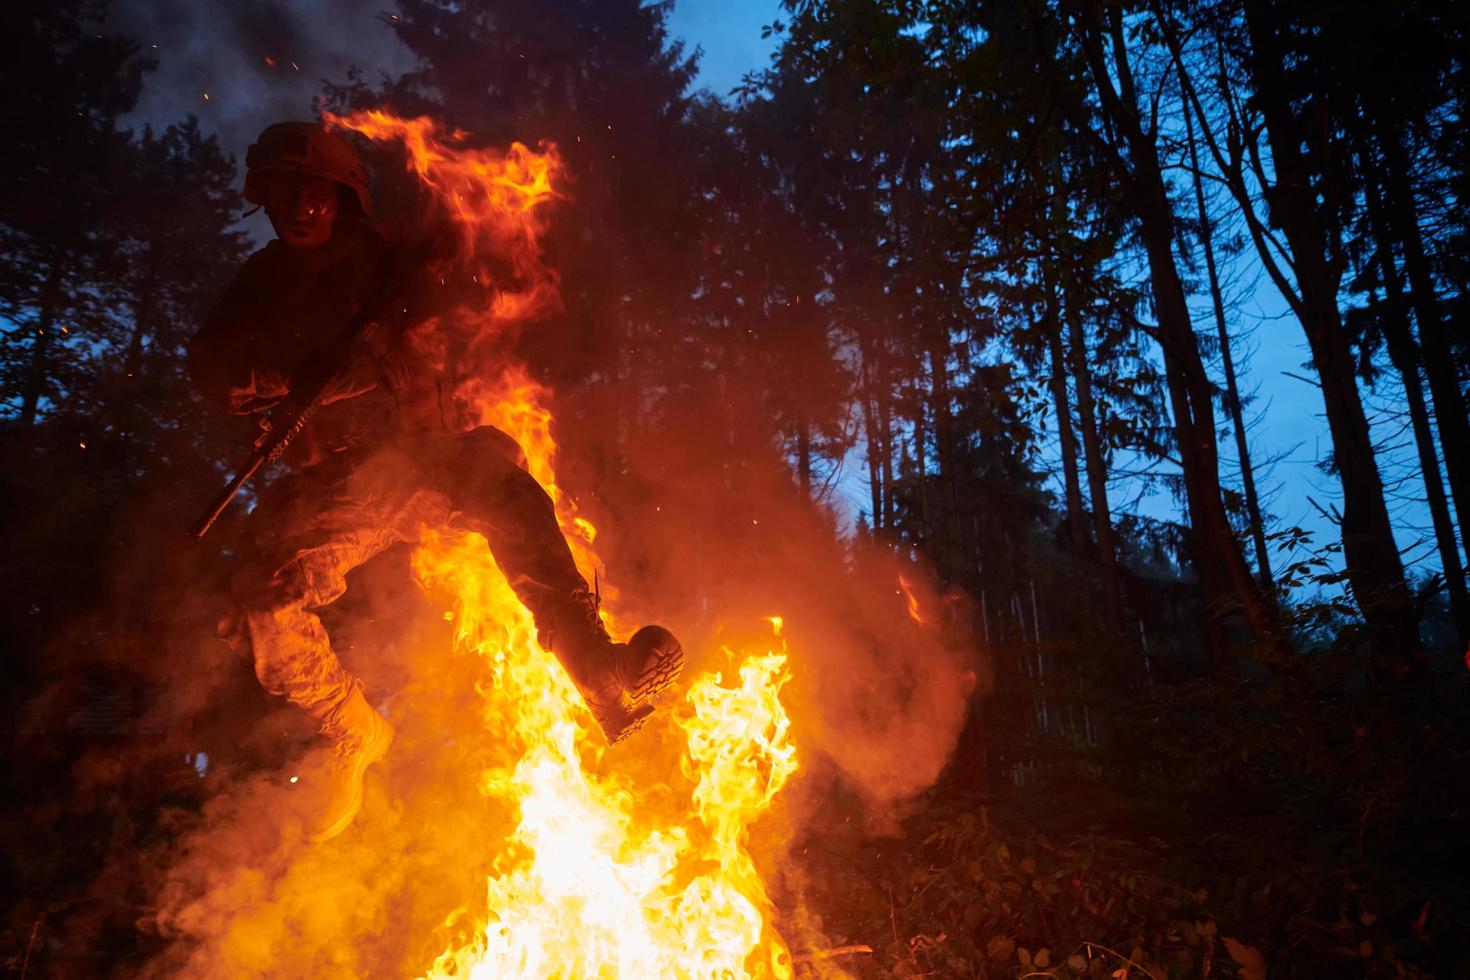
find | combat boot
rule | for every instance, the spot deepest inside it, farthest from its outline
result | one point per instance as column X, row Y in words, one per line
column 358, row 737
column 619, row 681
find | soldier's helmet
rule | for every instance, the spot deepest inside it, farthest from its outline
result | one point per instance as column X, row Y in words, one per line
column 305, row 148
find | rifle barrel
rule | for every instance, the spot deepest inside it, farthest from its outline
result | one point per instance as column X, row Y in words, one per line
column 202, row 526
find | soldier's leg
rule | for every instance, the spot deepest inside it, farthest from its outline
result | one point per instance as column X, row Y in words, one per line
column 308, row 536
column 479, row 472
column 311, row 533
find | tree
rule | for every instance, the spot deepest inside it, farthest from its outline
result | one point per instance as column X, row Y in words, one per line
column 179, row 248
column 64, row 157
column 1233, row 401
column 1307, row 198
column 1130, row 140
column 1391, row 319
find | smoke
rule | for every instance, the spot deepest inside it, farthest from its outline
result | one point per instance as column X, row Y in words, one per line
column 730, row 542
column 245, row 889
column 711, row 550
column 878, row 694
column 258, row 61
column 708, row 545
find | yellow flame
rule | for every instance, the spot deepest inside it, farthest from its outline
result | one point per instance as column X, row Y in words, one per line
column 600, row 877
column 592, row 884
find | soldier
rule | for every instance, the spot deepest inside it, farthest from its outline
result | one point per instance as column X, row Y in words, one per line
column 381, row 459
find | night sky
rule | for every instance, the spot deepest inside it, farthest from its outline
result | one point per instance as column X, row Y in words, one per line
column 260, row 61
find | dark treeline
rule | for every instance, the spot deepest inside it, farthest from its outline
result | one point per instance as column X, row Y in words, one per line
column 981, row 260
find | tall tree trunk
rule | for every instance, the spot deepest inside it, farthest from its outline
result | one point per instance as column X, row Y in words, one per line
column 1405, row 355
column 870, row 433
column 1097, row 473
column 921, row 458
column 944, row 454
column 1401, row 350
column 885, row 436
column 1217, row 555
column 875, row 473
column 1372, row 557
column 1227, row 358
column 1052, row 329
column 1065, row 436
column 47, row 301
column 1439, row 363
column 804, row 452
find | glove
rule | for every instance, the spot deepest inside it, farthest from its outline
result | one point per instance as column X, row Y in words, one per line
column 265, row 388
column 362, row 373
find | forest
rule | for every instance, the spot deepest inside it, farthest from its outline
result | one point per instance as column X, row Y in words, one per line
column 932, row 300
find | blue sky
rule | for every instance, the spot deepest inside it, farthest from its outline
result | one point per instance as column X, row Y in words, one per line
column 730, row 34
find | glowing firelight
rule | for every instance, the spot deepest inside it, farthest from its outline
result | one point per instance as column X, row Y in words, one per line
column 913, row 601
column 592, row 885
column 598, row 879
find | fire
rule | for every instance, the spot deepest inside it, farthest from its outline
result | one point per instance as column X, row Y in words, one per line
column 494, row 202
column 907, row 588
column 591, row 884
column 600, row 877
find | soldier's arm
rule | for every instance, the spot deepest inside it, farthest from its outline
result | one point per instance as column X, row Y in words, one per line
column 363, row 370
column 233, row 363
column 376, row 350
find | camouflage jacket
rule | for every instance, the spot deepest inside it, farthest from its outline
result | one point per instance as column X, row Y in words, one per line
column 283, row 306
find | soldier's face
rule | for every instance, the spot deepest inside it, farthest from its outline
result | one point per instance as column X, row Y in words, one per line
column 302, row 208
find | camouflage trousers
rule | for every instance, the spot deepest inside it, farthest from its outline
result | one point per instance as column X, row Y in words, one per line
column 313, row 527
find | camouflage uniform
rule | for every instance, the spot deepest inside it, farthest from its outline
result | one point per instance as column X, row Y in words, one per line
column 384, row 456
column 369, row 471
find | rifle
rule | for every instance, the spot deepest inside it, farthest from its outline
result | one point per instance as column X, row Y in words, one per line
column 285, row 422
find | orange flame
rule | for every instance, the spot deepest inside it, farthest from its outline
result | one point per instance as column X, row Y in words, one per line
column 592, row 884
column 599, row 877
column 495, row 203
column 913, row 601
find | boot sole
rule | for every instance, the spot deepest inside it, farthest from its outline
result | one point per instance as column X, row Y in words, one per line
column 658, row 676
